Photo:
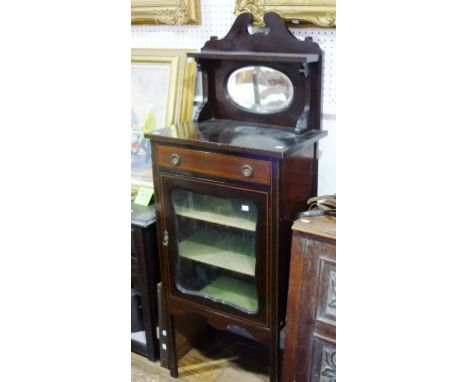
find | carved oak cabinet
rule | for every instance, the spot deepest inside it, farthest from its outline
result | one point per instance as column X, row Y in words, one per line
column 229, row 184
column 309, row 353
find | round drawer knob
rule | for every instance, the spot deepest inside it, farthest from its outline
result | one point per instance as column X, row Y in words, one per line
column 247, row 170
column 175, row 159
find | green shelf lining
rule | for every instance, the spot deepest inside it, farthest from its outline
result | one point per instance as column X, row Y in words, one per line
column 232, row 220
column 221, row 249
column 234, row 292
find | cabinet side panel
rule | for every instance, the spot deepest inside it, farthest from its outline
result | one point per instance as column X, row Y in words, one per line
column 297, row 183
column 298, row 180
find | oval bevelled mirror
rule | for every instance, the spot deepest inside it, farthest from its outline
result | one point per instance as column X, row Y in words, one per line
column 260, row 89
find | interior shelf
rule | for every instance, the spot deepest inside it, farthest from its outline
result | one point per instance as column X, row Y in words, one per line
column 234, row 292
column 221, row 249
column 236, row 221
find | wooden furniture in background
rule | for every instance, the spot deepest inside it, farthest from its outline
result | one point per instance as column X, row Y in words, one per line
column 229, row 185
column 145, row 276
column 309, row 353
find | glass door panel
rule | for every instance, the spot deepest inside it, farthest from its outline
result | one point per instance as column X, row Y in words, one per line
column 216, row 248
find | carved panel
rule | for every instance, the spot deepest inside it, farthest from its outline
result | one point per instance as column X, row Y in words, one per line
column 324, row 361
column 326, row 311
column 331, row 296
column 328, row 368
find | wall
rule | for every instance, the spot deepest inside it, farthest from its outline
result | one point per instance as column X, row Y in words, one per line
column 217, row 17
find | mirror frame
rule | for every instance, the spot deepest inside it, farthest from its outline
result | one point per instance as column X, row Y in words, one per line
column 230, row 98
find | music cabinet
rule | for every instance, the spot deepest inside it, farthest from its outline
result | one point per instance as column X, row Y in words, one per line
column 228, row 185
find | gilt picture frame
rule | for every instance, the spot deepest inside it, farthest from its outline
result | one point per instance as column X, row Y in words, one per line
column 163, row 83
column 172, row 12
column 312, row 13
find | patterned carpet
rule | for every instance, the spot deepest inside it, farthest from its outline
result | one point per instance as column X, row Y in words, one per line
column 229, row 359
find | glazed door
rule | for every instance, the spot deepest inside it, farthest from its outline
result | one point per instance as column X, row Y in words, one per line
column 217, row 244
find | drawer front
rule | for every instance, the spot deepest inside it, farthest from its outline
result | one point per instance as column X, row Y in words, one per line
column 214, row 164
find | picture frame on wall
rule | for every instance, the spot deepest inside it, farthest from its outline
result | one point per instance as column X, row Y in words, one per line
column 197, row 94
column 163, row 83
column 172, row 12
column 318, row 13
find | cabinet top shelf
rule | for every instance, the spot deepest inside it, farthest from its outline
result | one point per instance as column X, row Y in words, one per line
column 258, row 56
column 235, row 136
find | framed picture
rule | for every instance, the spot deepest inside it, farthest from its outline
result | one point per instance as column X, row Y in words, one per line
column 166, row 12
column 198, row 93
column 320, row 13
column 190, row 83
column 163, row 83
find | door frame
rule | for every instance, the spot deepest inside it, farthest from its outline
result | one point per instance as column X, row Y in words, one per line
column 262, row 242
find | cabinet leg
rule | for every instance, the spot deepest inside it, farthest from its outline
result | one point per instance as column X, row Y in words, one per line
column 171, row 348
column 274, row 356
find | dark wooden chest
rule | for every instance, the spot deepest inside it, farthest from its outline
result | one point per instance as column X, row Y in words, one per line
column 310, row 354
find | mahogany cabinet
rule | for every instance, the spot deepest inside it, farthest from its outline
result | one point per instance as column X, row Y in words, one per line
column 145, row 276
column 309, row 353
column 229, row 185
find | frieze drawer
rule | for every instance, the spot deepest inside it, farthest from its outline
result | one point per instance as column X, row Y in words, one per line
column 214, row 164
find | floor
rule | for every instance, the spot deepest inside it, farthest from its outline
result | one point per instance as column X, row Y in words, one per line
column 228, row 359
